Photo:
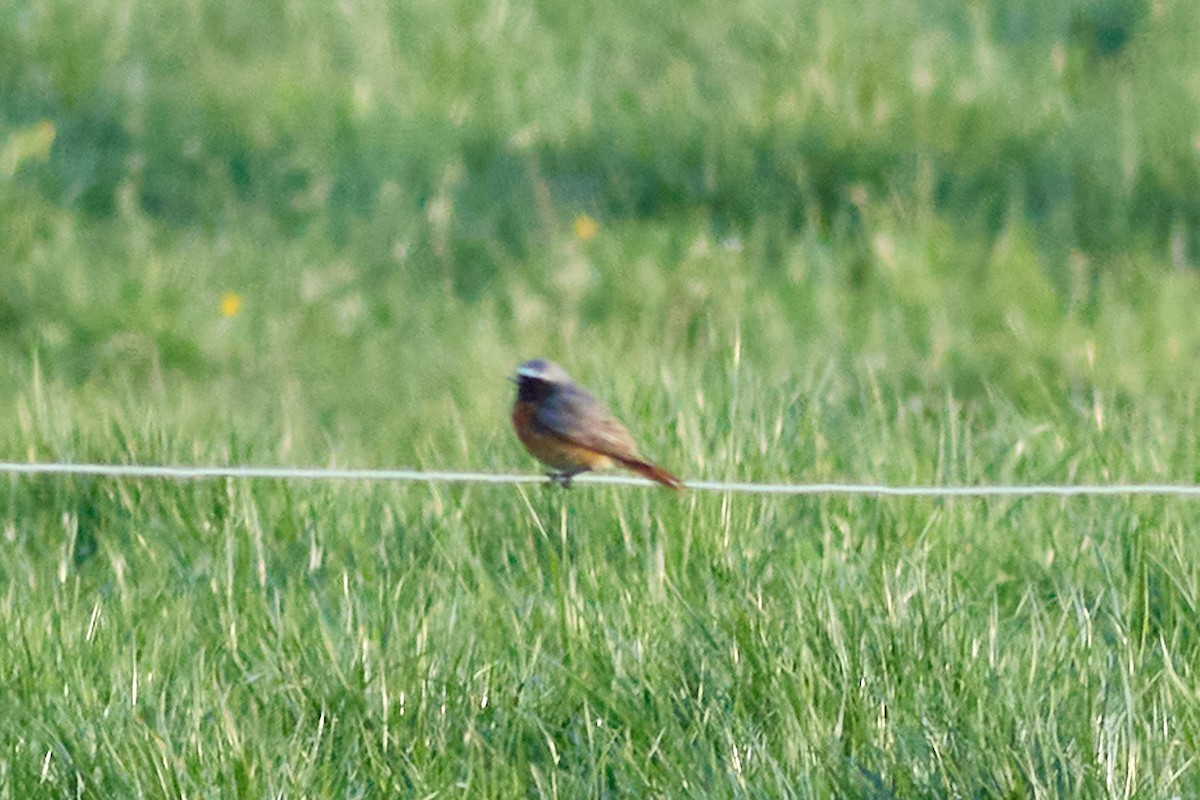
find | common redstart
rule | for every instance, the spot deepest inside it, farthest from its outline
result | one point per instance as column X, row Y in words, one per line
column 567, row 429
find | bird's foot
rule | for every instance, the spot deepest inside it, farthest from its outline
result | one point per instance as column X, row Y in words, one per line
column 562, row 479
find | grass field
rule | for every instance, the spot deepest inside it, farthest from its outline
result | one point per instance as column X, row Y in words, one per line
column 863, row 242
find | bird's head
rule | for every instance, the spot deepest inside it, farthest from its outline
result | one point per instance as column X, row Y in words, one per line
column 538, row 377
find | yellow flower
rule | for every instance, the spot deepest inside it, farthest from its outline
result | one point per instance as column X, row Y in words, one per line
column 231, row 304
column 586, row 228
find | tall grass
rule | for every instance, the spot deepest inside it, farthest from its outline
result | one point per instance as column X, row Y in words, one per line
column 865, row 242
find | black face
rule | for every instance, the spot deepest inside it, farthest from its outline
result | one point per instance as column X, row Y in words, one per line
column 532, row 390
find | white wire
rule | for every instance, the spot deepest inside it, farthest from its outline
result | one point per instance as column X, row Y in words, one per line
column 419, row 476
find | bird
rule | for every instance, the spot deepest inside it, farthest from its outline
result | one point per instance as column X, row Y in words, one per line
column 567, row 429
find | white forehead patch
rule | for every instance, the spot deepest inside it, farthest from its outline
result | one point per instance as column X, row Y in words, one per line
column 541, row 370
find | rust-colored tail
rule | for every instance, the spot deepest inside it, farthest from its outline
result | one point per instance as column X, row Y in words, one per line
column 653, row 472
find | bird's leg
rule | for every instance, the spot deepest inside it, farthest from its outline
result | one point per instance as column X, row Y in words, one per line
column 562, row 478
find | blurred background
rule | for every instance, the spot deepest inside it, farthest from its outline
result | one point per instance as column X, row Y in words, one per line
column 935, row 242
column 290, row 231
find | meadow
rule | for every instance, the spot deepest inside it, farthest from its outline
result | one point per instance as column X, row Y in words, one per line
column 935, row 243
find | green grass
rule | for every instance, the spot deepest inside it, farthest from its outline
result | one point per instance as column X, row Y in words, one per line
column 854, row 242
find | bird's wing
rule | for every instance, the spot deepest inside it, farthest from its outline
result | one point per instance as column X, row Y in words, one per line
column 576, row 416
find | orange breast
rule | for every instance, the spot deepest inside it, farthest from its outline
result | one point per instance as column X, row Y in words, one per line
column 551, row 449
